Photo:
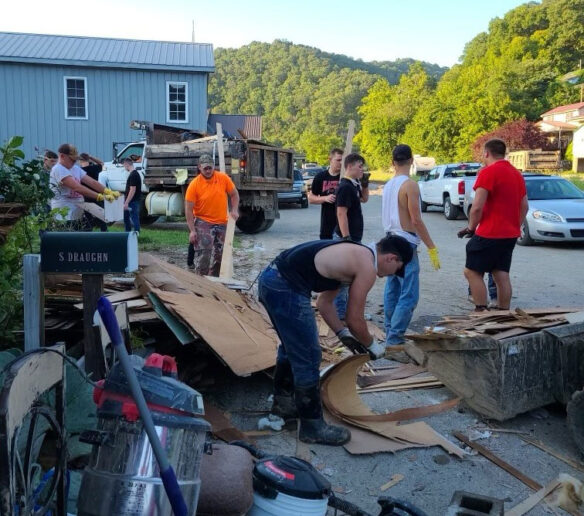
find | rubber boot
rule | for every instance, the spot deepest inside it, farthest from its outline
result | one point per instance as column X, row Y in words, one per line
column 313, row 428
column 283, row 404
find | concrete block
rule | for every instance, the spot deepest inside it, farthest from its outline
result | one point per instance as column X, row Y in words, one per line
column 464, row 503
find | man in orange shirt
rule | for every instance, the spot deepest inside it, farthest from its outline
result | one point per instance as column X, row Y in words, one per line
column 206, row 214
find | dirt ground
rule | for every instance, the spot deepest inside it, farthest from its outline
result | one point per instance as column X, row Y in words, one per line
column 542, row 276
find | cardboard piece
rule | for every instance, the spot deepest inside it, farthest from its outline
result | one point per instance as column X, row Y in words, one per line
column 339, row 394
column 246, row 342
column 114, row 211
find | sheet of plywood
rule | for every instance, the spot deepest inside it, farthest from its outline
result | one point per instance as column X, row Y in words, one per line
column 340, row 397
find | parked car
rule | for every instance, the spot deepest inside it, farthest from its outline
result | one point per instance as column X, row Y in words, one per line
column 298, row 194
column 445, row 185
column 308, row 175
column 556, row 210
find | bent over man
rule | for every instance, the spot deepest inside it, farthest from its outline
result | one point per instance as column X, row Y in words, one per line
column 494, row 223
column 285, row 289
column 206, row 214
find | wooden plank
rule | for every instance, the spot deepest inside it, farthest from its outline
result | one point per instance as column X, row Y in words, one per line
column 94, row 359
column 531, row 501
column 348, row 145
column 124, row 295
column 485, row 452
column 34, row 302
column 426, row 385
column 406, row 381
column 226, row 270
column 131, row 303
column 143, row 316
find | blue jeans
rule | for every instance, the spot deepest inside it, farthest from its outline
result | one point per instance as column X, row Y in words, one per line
column 400, row 299
column 132, row 216
column 293, row 319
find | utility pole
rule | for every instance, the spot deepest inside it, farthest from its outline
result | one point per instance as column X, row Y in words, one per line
column 193, row 33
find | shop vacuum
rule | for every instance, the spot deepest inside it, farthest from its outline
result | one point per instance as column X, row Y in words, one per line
column 123, row 476
column 288, row 486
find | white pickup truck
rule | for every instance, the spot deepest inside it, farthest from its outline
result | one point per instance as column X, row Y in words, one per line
column 446, row 185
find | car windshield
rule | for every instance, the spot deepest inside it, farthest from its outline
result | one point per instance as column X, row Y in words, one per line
column 552, row 188
column 297, row 175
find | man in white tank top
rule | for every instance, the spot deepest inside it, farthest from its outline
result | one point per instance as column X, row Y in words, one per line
column 401, row 215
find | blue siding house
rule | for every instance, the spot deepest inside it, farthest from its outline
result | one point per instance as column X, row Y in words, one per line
column 85, row 91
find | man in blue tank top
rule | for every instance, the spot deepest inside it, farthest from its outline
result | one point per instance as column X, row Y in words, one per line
column 285, row 289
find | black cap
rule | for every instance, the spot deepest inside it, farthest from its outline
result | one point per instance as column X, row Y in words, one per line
column 402, row 152
column 397, row 245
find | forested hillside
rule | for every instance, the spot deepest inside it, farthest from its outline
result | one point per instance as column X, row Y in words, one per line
column 306, row 96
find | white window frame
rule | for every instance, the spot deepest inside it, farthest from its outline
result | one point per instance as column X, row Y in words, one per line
column 177, row 83
column 66, row 103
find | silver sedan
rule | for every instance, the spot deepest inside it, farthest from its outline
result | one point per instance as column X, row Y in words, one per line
column 556, row 211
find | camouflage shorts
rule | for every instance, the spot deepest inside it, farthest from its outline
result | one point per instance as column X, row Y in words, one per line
column 208, row 248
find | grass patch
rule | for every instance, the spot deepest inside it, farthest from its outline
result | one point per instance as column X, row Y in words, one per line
column 159, row 239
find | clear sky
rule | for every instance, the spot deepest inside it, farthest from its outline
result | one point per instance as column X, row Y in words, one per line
column 429, row 30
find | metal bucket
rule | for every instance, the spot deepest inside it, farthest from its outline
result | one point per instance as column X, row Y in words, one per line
column 123, row 478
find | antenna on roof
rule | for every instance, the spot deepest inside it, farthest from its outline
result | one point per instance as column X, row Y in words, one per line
column 193, row 33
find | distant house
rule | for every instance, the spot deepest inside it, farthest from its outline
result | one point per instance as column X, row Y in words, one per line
column 56, row 89
column 560, row 123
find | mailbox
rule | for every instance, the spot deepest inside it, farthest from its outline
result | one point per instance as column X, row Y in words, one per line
column 89, row 252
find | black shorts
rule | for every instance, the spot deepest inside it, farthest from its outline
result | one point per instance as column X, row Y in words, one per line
column 489, row 254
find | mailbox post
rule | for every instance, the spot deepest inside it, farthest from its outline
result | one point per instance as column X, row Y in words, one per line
column 92, row 255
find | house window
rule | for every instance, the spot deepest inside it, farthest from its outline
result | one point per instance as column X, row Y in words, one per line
column 177, row 102
column 76, row 97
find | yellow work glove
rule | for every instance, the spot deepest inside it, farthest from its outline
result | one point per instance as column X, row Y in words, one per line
column 108, row 191
column 434, row 260
column 105, row 196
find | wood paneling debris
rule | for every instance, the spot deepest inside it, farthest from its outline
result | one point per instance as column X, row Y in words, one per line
column 505, row 363
column 373, row 432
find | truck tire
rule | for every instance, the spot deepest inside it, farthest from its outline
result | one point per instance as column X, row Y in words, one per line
column 451, row 212
column 575, row 419
column 304, row 202
column 423, row 206
column 525, row 237
column 145, row 219
column 252, row 221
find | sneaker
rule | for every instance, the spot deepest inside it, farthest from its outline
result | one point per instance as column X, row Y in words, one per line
column 191, row 266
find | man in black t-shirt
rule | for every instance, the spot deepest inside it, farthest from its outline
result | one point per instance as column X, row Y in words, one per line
column 350, row 194
column 324, row 186
column 132, row 197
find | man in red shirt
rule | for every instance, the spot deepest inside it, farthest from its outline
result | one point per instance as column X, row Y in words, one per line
column 498, row 210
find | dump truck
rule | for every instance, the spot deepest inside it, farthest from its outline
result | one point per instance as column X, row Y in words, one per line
column 167, row 159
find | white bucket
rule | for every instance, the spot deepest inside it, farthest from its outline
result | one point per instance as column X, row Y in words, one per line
column 286, row 505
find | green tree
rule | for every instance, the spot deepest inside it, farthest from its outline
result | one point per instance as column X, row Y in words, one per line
column 386, row 112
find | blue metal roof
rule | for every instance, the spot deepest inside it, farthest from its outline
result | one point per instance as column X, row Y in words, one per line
column 106, row 52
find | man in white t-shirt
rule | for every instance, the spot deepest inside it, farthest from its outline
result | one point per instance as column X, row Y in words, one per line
column 401, row 216
column 70, row 183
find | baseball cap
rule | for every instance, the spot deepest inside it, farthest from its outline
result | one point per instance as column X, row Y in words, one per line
column 69, row 150
column 397, row 245
column 402, row 152
column 206, row 159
